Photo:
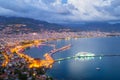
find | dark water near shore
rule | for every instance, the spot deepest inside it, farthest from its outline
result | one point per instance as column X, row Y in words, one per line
column 84, row 70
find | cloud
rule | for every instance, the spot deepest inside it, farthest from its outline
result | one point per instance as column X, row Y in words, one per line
column 62, row 10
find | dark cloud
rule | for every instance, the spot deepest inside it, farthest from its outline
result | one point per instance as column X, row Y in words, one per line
column 48, row 1
column 62, row 10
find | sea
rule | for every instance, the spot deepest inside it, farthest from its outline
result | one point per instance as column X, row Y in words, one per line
column 97, row 68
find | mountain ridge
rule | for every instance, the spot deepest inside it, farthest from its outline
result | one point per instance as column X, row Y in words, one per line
column 34, row 25
column 38, row 25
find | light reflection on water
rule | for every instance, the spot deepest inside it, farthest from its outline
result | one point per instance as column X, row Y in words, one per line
column 85, row 70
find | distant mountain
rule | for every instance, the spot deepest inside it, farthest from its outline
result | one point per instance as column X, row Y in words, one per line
column 27, row 24
column 21, row 24
column 109, row 26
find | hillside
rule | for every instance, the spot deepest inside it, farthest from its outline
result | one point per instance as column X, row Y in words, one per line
column 112, row 26
column 25, row 25
column 20, row 24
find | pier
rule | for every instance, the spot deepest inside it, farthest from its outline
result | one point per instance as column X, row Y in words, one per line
column 47, row 62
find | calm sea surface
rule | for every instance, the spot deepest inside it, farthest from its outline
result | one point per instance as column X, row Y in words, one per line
column 84, row 70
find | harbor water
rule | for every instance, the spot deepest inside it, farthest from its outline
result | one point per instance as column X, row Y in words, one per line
column 104, row 68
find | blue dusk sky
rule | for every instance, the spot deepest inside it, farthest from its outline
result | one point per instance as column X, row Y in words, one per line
column 59, row 11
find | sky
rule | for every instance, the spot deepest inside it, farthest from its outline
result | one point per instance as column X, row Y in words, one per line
column 62, row 11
